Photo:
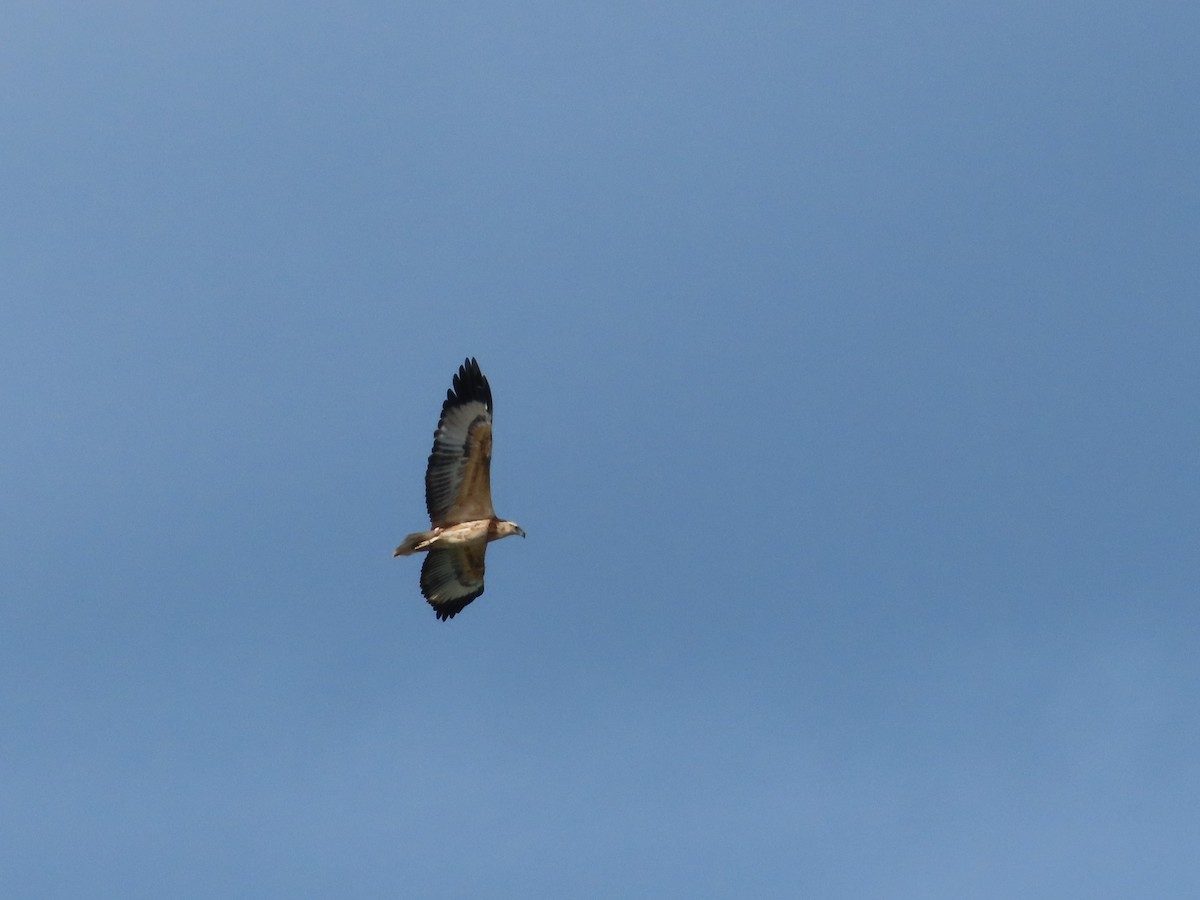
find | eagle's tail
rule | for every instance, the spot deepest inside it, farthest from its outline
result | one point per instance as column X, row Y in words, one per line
column 412, row 543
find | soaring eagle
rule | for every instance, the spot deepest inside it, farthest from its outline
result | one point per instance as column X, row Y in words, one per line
column 458, row 493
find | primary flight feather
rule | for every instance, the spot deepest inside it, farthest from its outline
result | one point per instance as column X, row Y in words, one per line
column 458, row 494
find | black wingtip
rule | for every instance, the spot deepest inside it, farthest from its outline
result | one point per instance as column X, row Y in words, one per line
column 447, row 611
column 470, row 384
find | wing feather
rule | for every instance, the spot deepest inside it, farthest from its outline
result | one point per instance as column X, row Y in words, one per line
column 458, row 484
column 452, row 577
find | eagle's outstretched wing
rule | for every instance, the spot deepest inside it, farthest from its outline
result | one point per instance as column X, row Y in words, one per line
column 458, row 484
column 453, row 577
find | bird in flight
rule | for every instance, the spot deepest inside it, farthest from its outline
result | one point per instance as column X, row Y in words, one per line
column 458, row 494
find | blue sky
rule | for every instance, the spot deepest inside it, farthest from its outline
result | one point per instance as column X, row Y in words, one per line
column 845, row 361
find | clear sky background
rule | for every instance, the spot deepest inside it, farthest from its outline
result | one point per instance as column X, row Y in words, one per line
column 846, row 362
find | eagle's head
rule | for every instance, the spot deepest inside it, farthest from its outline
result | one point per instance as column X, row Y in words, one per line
column 506, row 528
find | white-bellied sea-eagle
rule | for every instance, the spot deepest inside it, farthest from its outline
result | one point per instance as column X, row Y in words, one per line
column 458, row 493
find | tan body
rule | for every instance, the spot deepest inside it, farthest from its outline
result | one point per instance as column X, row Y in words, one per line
column 479, row 531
